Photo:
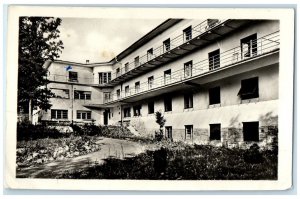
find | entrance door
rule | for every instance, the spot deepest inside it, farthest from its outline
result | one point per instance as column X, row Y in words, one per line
column 105, row 117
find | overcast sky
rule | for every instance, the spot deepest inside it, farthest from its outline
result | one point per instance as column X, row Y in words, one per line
column 100, row 40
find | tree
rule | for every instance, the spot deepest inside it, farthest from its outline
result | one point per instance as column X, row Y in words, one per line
column 38, row 42
column 160, row 120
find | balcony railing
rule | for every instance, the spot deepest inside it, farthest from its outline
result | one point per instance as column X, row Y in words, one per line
column 252, row 49
column 175, row 42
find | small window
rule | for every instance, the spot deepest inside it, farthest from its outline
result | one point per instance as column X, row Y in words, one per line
column 84, row 115
column 215, row 131
column 137, row 87
column 106, row 97
column 214, row 59
column 167, row 45
column 126, row 67
column 127, row 90
column 168, row 132
column 214, row 95
column 150, row 54
column 188, row 100
column 150, row 107
column 251, row 131
column 127, row 112
column 167, row 76
column 137, row 110
column 249, row 88
column 188, row 69
column 73, row 76
column 118, row 72
column 59, row 114
column 150, row 82
column 118, row 94
column 187, row 34
column 104, row 78
column 188, row 132
column 168, row 104
column 137, row 61
column 82, row 95
column 249, row 46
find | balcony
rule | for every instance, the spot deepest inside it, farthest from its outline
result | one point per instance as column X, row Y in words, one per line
column 253, row 53
column 200, row 35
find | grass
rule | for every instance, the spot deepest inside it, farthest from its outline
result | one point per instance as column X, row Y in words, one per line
column 196, row 162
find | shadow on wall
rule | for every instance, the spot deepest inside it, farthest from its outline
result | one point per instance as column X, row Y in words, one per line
column 268, row 119
column 234, row 122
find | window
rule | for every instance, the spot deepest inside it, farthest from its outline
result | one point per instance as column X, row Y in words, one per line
column 137, row 87
column 61, row 93
column 137, row 110
column 126, row 67
column 168, row 132
column 188, row 100
column 167, row 76
column 104, row 78
column 127, row 90
column 85, row 115
column 250, row 131
column 214, row 59
column 249, row 88
column 166, row 45
column 82, row 95
column 150, row 82
column 249, row 46
column 215, row 132
column 127, row 112
column 59, row 114
column 187, row 34
column 73, row 76
column 149, row 54
column 118, row 94
column 106, row 97
column 188, row 132
column 118, row 72
column 150, row 107
column 168, row 104
column 214, row 95
column 188, row 69
column 137, row 61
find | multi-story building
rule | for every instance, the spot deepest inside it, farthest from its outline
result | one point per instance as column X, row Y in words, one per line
column 214, row 81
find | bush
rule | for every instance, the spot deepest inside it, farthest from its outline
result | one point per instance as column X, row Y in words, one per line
column 27, row 131
column 253, row 155
column 158, row 135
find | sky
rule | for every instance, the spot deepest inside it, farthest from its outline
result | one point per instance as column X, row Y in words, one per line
column 100, row 40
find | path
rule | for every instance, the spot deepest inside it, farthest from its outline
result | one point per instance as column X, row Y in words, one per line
column 109, row 148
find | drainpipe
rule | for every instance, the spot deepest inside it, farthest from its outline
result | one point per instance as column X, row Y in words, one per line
column 72, row 98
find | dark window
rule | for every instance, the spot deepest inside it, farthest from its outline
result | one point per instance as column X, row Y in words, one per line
column 168, row 104
column 137, row 110
column 104, row 77
column 61, row 93
column 249, row 88
column 118, row 93
column 250, row 131
column 187, row 33
column 249, row 46
column 214, row 59
column 83, row 95
column 85, row 115
column 215, row 131
column 127, row 112
column 188, row 66
column 127, row 90
column 150, row 82
column 137, row 87
column 118, row 72
column 167, row 76
column 150, row 107
column 137, row 61
column 166, row 45
column 149, row 54
column 106, row 97
column 188, row 100
column 214, row 95
column 73, row 76
column 188, row 132
column 59, row 114
column 168, row 132
column 126, row 67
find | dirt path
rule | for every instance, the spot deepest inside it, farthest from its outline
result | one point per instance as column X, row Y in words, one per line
column 109, row 148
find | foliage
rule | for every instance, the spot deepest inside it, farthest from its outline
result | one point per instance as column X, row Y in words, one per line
column 253, row 155
column 38, row 42
column 160, row 120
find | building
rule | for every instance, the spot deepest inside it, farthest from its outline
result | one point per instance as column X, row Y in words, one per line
column 215, row 81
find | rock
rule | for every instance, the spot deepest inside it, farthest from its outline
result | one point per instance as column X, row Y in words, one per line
column 39, row 161
column 35, row 154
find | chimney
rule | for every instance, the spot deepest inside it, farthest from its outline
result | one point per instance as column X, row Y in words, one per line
column 87, row 61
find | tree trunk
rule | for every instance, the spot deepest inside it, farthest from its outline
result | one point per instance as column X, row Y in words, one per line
column 30, row 111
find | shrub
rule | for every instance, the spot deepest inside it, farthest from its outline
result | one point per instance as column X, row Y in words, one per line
column 253, row 155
